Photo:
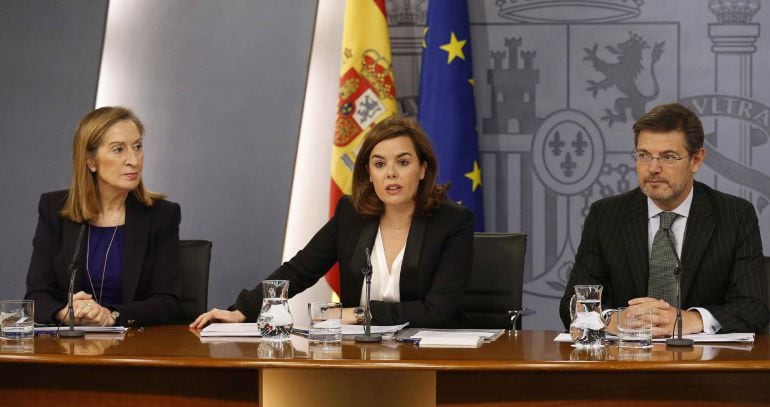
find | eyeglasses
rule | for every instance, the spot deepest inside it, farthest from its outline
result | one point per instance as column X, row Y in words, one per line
column 665, row 159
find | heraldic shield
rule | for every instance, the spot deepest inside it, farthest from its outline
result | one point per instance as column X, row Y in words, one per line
column 559, row 154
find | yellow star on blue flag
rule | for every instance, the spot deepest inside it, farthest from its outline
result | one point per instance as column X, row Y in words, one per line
column 474, row 176
column 454, row 48
column 447, row 110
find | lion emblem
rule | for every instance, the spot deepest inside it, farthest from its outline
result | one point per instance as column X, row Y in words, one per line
column 622, row 75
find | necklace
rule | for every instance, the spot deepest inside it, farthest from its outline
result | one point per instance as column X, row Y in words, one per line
column 104, row 267
column 399, row 227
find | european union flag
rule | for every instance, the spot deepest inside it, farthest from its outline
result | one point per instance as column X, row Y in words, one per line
column 447, row 112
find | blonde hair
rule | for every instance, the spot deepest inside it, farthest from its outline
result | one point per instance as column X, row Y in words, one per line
column 83, row 202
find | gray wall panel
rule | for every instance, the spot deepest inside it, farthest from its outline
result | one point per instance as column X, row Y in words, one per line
column 219, row 85
column 49, row 65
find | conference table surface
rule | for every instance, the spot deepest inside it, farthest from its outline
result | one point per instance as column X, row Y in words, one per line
column 167, row 364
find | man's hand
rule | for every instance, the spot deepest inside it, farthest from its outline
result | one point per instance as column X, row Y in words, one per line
column 663, row 316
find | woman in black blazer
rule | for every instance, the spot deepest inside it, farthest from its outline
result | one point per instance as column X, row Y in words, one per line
column 128, row 269
column 421, row 243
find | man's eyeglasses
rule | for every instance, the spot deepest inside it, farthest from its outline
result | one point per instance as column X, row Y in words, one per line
column 665, row 159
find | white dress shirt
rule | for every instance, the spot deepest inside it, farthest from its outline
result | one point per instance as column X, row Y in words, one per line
column 710, row 324
column 385, row 283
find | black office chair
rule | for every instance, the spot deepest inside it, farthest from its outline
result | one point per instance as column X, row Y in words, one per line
column 194, row 260
column 767, row 273
column 494, row 295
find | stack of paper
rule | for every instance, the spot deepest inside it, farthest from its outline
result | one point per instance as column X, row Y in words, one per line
column 358, row 329
column 697, row 338
column 376, row 329
column 245, row 329
column 451, row 338
column 52, row 330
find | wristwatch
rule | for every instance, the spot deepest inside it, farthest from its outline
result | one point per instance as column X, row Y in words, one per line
column 115, row 315
column 359, row 313
column 607, row 314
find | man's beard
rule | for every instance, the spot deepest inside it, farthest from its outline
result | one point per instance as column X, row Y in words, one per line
column 670, row 190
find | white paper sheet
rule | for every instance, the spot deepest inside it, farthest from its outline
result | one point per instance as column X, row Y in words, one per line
column 51, row 330
column 697, row 338
column 243, row 329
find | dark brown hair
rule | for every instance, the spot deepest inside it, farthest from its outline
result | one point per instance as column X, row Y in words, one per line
column 672, row 117
column 429, row 194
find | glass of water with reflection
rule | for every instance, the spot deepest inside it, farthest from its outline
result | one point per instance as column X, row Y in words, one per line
column 17, row 319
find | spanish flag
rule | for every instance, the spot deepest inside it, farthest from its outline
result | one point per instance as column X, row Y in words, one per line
column 367, row 94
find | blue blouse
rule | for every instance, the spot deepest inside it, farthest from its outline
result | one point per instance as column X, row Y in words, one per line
column 99, row 238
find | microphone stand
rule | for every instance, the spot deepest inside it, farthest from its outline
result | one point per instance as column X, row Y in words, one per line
column 73, row 269
column 678, row 340
column 368, row 337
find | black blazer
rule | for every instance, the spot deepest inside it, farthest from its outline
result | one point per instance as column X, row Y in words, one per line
column 721, row 257
column 437, row 265
column 151, row 283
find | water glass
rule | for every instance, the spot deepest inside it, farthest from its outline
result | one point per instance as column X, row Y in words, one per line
column 634, row 328
column 17, row 319
column 325, row 322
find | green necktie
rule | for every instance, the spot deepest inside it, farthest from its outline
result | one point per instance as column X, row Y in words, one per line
column 662, row 282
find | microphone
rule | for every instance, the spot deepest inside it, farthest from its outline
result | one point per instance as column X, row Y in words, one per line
column 678, row 340
column 367, row 337
column 73, row 269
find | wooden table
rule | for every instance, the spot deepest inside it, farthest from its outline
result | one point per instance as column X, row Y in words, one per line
column 170, row 365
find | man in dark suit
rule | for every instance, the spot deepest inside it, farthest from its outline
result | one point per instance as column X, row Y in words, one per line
column 715, row 234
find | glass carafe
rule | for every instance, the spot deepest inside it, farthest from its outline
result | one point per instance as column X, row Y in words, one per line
column 275, row 320
column 587, row 328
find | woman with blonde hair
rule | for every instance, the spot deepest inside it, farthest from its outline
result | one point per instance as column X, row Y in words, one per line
column 128, row 273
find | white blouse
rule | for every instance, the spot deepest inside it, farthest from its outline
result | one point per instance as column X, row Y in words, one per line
column 385, row 285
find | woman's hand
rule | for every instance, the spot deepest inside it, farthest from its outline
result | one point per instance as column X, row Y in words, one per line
column 349, row 316
column 217, row 315
column 89, row 312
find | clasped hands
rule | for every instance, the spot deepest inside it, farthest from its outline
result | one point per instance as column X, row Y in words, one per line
column 662, row 314
column 87, row 311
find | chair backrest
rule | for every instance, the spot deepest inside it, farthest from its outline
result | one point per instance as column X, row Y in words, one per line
column 767, row 273
column 194, row 260
column 497, row 280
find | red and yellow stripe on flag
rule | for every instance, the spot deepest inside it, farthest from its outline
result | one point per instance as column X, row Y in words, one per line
column 367, row 94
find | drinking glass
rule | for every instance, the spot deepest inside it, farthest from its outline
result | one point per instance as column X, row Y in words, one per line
column 325, row 322
column 634, row 328
column 17, row 319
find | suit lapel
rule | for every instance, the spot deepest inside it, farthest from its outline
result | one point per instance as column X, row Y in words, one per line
column 409, row 284
column 137, row 230
column 700, row 227
column 635, row 241
column 358, row 260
